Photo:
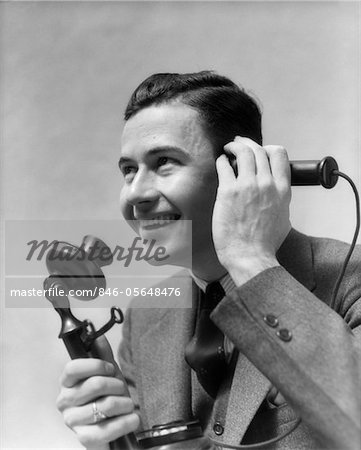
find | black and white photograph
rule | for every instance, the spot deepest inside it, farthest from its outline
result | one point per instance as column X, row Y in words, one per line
column 180, row 214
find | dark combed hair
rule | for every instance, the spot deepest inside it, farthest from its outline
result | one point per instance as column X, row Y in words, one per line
column 226, row 109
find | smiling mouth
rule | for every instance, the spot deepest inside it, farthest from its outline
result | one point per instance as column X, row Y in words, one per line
column 159, row 221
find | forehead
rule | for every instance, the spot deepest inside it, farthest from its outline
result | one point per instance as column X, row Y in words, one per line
column 166, row 124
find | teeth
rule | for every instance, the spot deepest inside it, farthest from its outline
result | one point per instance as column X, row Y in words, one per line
column 158, row 220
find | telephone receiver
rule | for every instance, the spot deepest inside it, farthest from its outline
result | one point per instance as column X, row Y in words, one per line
column 79, row 269
column 313, row 172
column 310, row 172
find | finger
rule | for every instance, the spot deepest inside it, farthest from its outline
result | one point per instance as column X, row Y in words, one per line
column 111, row 406
column 93, row 436
column 89, row 390
column 280, row 165
column 82, row 368
column 224, row 170
column 260, row 154
column 95, row 387
column 246, row 163
column 104, row 351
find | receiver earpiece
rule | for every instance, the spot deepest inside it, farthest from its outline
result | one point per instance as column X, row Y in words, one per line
column 313, row 172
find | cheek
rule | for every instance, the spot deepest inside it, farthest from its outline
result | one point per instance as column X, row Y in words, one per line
column 208, row 189
column 125, row 208
column 127, row 212
column 201, row 202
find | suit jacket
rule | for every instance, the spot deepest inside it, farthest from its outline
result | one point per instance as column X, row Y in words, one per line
column 312, row 355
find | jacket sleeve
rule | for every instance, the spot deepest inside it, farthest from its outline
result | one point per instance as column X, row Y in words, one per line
column 309, row 352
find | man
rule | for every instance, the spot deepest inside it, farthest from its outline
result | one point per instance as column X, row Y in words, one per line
column 192, row 150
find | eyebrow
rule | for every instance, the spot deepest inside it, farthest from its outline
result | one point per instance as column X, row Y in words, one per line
column 155, row 151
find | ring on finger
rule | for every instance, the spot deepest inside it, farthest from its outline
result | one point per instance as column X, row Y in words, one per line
column 98, row 415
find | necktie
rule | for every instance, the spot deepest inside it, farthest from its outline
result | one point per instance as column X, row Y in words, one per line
column 205, row 352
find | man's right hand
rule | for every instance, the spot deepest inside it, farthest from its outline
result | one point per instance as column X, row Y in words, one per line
column 85, row 381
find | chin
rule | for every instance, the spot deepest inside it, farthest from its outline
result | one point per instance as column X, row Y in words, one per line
column 173, row 243
column 177, row 261
column 174, row 257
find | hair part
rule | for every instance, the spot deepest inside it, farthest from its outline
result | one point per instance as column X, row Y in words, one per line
column 226, row 109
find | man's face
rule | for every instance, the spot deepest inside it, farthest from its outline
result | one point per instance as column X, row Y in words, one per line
column 168, row 165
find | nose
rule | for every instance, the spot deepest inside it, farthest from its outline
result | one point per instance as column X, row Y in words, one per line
column 142, row 189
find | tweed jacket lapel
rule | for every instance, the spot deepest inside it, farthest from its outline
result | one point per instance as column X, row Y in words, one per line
column 250, row 386
column 165, row 376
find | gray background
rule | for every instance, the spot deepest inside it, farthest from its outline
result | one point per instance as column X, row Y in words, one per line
column 67, row 70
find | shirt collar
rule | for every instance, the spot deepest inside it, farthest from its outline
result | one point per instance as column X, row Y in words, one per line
column 226, row 282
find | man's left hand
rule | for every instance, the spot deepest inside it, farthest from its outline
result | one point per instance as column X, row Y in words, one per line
column 251, row 212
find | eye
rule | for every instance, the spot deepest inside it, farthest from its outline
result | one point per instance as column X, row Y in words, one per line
column 163, row 160
column 167, row 160
column 127, row 169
